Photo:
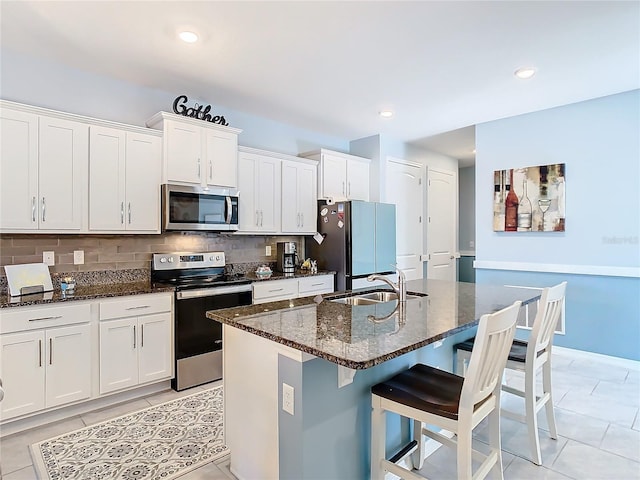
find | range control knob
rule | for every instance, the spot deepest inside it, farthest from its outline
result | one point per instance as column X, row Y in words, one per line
column 163, row 260
column 170, row 259
column 217, row 258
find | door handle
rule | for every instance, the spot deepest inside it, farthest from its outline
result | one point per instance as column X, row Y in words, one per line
column 134, row 336
column 39, row 353
column 302, row 219
column 229, row 210
column 298, row 220
column 33, row 209
column 50, row 350
column 122, row 213
column 129, row 212
column 261, row 217
column 44, row 207
column 210, row 170
column 142, row 335
column 343, row 192
column 198, row 168
column 349, row 189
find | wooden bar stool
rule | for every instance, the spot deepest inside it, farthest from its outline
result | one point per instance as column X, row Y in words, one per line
column 529, row 357
column 457, row 404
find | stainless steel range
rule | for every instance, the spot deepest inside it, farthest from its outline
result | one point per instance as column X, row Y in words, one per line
column 201, row 285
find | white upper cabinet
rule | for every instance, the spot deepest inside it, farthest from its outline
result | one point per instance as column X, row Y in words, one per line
column 341, row 176
column 197, row 152
column 259, row 189
column 299, row 197
column 124, row 180
column 43, row 172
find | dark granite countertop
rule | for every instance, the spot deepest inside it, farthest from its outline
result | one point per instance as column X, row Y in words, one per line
column 282, row 276
column 83, row 293
column 361, row 337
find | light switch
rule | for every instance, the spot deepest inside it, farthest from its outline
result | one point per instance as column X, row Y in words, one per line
column 48, row 258
column 267, row 250
column 78, row 257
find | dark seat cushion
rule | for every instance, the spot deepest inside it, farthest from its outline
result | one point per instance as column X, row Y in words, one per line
column 425, row 388
column 518, row 352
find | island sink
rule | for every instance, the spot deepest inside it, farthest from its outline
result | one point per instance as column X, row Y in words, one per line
column 375, row 297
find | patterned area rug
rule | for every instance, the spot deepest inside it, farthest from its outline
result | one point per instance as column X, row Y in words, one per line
column 160, row 442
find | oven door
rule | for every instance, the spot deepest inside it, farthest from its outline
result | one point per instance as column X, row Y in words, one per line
column 196, row 208
column 198, row 339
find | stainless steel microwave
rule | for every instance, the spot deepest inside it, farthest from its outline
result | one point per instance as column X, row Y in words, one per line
column 199, row 208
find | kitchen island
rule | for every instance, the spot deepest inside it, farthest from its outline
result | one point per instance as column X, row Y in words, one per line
column 323, row 356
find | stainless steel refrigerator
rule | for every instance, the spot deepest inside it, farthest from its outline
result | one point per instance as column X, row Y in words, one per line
column 359, row 239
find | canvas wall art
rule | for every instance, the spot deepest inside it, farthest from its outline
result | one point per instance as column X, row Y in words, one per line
column 529, row 199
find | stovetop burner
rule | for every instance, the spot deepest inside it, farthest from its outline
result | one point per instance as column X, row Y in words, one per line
column 193, row 270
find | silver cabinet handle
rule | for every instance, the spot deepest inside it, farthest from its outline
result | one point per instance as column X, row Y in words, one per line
column 122, row 213
column 210, row 170
column 50, row 350
column 257, row 218
column 142, row 335
column 198, row 168
column 261, row 217
column 45, row 318
column 134, row 336
column 129, row 212
column 137, row 308
column 44, row 208
column 277, row 290
column 39, row 353
column 302, row 219
column 349, row 189
column 298, row 221
column 33, row 209
column 343, row 191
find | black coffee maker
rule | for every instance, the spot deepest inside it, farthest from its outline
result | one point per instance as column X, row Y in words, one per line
column 286, row 260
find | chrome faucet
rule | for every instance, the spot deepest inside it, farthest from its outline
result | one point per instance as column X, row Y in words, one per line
column 400, row 288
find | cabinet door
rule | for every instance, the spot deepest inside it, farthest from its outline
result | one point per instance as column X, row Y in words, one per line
column 183, row 144
column 68, row 364
column 307, row 198
column 334, row 177
column 248, row 214
column 106, row 178
column 290, row 213
column 154, row 353
column 220, row 149
column 22, row 371
column 143, row 176
column 358, row 180
column 268, row 194
column 18, row 170
column 118, row 354
column 62, row 173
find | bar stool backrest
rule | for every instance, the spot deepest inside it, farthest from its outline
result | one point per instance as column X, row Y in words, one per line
column 488, row 358
column 546, row 320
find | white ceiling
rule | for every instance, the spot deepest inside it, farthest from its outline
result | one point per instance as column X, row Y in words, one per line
column 331, row 66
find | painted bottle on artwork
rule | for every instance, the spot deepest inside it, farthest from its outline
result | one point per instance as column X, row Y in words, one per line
column 498, row 201
column 525, row 210
column 511, row 206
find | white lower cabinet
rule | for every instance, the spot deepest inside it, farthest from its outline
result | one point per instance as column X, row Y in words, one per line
column 136, row 349
column 276, row 290
column 43, row 368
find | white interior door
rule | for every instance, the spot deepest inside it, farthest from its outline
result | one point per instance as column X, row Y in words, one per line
column 405, row 188
column 441, row 229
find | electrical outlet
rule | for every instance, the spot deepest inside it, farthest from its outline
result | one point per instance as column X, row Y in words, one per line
column 78, row 257
column 48, row 258
column 438, row 344
column 287, row 398
column 472, row 244
column 267, row 250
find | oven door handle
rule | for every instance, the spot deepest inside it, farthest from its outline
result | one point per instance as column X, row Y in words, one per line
column 211, row 292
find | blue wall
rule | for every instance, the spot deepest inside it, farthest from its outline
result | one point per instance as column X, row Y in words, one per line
column 599, row 141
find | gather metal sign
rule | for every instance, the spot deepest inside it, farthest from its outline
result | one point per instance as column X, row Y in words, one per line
column 198, row 111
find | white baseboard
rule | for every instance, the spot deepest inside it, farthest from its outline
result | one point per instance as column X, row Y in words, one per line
column 598, row 357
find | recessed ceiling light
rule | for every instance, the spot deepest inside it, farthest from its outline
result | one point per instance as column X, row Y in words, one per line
column 188, row 36
column 525, row 72
column 386, row 113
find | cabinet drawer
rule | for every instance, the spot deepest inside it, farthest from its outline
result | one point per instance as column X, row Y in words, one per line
column 135, row 305
column 272, row 290
column 30, row 318
column 314, row 285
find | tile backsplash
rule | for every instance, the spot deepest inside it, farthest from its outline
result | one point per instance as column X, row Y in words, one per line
column 124, row 252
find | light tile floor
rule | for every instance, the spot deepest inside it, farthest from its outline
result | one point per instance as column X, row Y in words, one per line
column 597, row 412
